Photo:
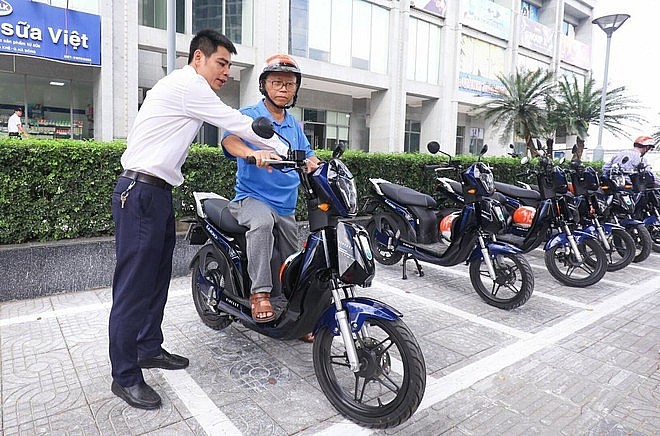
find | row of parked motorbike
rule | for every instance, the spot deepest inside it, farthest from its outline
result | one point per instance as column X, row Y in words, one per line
column 366, row 359
column 587, row 224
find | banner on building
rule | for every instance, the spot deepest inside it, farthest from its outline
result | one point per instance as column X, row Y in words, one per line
column 487, row 17
column 535, row 36
column 35, row 29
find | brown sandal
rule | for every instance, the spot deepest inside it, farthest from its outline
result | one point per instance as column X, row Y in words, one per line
column 261, row 307
column 309, row 338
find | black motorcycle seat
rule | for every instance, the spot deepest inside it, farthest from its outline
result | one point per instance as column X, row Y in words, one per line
column 217, row 212
column 456, row 186
column 517, row 192
column 407, row 196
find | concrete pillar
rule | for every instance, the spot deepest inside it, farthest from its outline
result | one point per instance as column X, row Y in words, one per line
column 123, row 64
column 451, row 60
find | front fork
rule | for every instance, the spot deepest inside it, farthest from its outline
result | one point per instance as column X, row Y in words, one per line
column 344, row 327
column 487, row 260
column 571, row 241
column 602, row 235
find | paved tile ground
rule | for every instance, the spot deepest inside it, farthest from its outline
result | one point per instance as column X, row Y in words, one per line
column 570, row 361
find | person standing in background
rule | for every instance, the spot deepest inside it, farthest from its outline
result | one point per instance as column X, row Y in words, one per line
column 14, row 125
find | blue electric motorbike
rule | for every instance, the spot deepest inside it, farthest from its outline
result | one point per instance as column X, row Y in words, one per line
column 366, row 359
column 407, row 223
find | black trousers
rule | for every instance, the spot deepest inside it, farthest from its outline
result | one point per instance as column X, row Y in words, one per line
column 145, row 237
column 15, row 135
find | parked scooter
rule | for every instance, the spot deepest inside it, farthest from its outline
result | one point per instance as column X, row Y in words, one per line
column 618, row 244
column 406, row 221
column 616, row 195
column 647, row 202
column 367, row 361
column 573, row 257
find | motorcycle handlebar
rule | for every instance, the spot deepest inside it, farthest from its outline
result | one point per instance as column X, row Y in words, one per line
column 277, row 164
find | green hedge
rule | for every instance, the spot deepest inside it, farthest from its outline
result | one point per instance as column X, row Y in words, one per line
column 51, row 190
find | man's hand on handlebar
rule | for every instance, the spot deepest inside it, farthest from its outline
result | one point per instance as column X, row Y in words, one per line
column 261, row 158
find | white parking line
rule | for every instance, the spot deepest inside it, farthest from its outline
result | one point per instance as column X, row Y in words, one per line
column 200, row 406
column 454, row 311
column 642, row 268
column 457, row 272
column 603, row 280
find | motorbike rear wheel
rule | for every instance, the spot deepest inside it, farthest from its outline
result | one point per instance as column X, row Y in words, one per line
column 643, row 242
column 390, row 383
column 215, row 270
column 382, row 253
column 513, row 285
column 563, row 266
column 622, row 250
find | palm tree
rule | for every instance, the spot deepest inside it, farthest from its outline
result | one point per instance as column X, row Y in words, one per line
column 578, row 106
column 521, row 107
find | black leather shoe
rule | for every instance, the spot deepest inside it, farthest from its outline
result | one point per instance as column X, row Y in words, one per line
column 140, row 395
column 164, row 360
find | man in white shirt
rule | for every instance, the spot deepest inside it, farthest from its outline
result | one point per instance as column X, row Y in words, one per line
column 157, row 146
column 14, row 125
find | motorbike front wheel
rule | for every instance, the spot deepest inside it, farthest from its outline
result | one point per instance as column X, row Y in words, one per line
column 563, row 265
column 382, row 253
column 215, row 270
column 622, row 250
column 643, row 242
column 513, row 284
column 654, row 231
column 388, row 387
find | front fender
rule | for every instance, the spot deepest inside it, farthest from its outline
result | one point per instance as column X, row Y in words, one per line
column 630, row 222
column 651, row 220
column 561, row 239
column 608, row 227
column 494, row 248
column 358, row 309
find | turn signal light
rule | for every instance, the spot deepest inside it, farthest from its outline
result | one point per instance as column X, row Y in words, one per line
column 472, row 191
column 324, row 207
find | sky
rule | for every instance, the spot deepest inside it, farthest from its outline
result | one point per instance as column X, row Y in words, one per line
column 634, row 61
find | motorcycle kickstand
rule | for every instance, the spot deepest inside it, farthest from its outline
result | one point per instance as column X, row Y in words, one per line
column 406, row 257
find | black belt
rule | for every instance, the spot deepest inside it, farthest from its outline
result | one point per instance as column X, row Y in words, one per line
column 146, row 178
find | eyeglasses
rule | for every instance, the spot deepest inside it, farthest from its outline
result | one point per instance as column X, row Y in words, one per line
column 278, row 84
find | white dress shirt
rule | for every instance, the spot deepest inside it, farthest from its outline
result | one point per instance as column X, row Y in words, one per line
column 13, row 123
column 170, row 117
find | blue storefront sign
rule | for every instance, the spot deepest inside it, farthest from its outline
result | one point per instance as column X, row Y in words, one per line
column 35, row 29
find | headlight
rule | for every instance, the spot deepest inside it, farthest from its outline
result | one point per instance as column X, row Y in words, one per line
column 342, row 184
column 618, row 179
column 485, row 176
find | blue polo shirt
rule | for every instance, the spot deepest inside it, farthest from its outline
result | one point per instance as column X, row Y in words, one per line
column 278, row 189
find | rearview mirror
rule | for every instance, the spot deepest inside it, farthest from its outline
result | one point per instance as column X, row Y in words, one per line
column 263, row 127
column 433, row 147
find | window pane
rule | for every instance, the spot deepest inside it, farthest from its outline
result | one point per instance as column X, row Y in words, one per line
column 342, row 133
column 422, row 50
column 319, row 30
column 341, row 32
column 298, row 27
column 361, row 34
column 434, row 55
column 331, row 117
column 412, row 42
column 343, row 118
column 380, row 23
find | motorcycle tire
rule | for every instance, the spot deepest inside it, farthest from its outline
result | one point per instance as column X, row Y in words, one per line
column 215, row 270
column 513, row 285
column 654, row 232
column 390, row 384
column 643, row 242
column 564, row 268
column 382, row 253
column 622, row 250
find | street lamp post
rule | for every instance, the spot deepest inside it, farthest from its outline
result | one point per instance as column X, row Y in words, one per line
column 609, row 24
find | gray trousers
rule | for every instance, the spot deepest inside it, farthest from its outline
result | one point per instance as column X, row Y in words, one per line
column 266, row 226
